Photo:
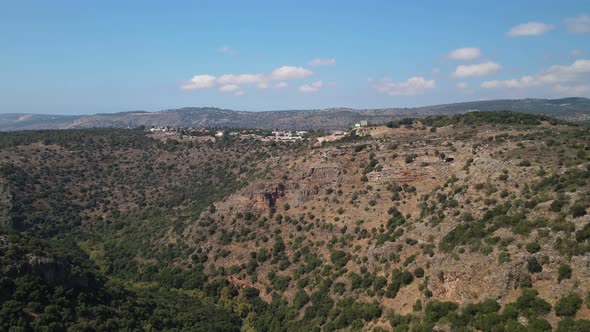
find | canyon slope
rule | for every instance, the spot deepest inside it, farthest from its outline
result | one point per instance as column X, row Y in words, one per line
column 476, row 221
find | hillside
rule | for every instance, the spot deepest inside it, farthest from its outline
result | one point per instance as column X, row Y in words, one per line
column 569, row 109
column 476, row 221
column 49, row 286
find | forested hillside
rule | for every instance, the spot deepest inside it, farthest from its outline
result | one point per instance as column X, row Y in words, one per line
column 469, row 222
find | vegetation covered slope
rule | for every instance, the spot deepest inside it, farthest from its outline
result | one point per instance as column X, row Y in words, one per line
column 50, row 287
column 477, row 221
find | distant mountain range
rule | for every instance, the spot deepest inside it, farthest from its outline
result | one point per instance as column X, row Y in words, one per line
column 573, row 109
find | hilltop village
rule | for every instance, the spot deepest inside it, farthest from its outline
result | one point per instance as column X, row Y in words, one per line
column 211, row 134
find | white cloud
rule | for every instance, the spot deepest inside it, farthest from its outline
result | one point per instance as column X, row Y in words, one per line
column 412, row 86
column 227, row 50
column 435, row 70
column 530, row 29
column 313, row 87
column 233, row 82
column 240, row 79
column 575, row 90
column 239, row 93
column 200, row 82
column 289, row 73
column 462, row 85
column 266, row 85
column 322, row 62
column 552, row 75
column 466, row 53
column 480, row 69
column 575, row 53
column 578, row 24
column 229, row 88
column 522, row 82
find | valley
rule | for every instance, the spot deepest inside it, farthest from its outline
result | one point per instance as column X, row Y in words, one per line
column 474, row 221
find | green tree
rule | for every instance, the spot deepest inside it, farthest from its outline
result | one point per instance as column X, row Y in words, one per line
column 564, row 271
column 568, row 305
column 534, row 266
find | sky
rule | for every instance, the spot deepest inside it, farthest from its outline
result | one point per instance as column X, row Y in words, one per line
column 86, row 57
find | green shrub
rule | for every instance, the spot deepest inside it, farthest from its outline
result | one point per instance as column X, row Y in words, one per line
column 435, row 310
column 524, row 163
column 568, row 305
column 407, row 277
column 531, row 305
column 578, row 211
column 339, row 258
column 534, row 266
column 301, row 298
column 533, row 247
column 565, row 272
column 417, row 305
column 419, row 272
column 583, row 234
column 410, row 158
column 568, row 324
column 556, row 205
column 539, row 325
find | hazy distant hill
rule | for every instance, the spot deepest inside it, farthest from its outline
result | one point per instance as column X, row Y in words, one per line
column 16, row 121
column 571, row 109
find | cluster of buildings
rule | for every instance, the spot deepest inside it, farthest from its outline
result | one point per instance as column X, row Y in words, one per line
column 363, row 123
column 285, row 135
column 288, row 135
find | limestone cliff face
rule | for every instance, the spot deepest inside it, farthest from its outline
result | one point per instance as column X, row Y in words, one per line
column 52, row 271
column 475, row 279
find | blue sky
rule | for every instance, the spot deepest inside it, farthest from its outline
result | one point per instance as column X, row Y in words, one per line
column 81, row 57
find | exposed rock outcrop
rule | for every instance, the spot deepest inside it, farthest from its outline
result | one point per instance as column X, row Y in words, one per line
column 52, row 271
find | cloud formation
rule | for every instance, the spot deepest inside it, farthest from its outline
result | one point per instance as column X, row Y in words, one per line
column 553, row 75
column 579, row 24
column 530, row 29
column 575, row 90
column 322, row 62
column 462, row 85
column 480, row 69
column 227, row 50
column 229, row 88
column 233, row 83
column 313, row 87
column 466, row 53
column 412, row 86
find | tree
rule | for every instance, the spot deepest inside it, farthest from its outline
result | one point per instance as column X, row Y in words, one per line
column 556, row 205
column 419, row 272
column 568, row 305
column 578, row 211
column 533, row 247
column 301, row 298
column 531, row 305
column 407, row 277
column 435, row 310
column 565, row 272
column 534, row 266
column 339, row 258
